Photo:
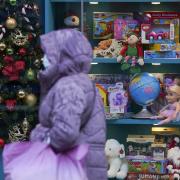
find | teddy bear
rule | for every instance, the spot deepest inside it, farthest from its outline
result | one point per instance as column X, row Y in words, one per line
column 115, row 153
column 173, row 156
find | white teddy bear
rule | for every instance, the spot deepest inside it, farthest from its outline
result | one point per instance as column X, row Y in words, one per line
column 118, row 165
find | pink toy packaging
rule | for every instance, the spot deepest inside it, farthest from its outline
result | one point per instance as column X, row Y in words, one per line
column 160, row 28
column 122, row 27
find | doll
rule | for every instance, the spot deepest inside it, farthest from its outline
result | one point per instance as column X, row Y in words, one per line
column 132, row 51
column 172, row 110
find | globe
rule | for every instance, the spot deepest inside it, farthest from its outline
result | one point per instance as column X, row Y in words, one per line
column 144, row 88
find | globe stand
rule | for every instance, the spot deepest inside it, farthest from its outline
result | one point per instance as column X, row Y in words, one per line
column 143, row 114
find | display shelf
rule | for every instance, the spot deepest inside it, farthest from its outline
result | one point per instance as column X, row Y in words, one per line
column 136, row 122
column 115, row 0
column 147, row 61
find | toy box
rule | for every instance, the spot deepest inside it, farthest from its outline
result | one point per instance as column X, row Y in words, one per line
column 161, row 54
column 139, row 146
column 118, row 98
column 158, row 151
column 161, row 27
column 147, row 166
column 143, row 176
column 122, row 27
column 103, row 23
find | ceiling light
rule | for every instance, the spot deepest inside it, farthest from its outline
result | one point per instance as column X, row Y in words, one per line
column 94, row 63
column 155, row 3
column 93, row 2
column 156, row 64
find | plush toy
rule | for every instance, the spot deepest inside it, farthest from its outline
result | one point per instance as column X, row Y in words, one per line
column 172, row 110
column 108, row 48
column 173, row 156
column 115, row 153
column 131, row 51
column 72, row 21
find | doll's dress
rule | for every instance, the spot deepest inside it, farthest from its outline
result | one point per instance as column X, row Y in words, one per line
column 169, row 110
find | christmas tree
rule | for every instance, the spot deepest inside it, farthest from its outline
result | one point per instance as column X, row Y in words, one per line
column 20, row 60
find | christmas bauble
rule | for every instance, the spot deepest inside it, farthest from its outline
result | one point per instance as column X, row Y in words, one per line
column 31, row 100
column 1, row 99
column 11, row 23
column 2, row 46
column 21, row 94
column 12, row 2
column 30, row 74
column 25, row 126
column 37, row 63
column 37, row 25
column 30, row 37
column 22, row 51
column 9, row 51
column 8, row 59
column 29, row 28
column 2, row 143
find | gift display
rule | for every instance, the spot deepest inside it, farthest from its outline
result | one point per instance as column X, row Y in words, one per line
column 147, row 166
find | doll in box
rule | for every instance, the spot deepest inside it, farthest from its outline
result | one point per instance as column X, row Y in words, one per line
column 172, row 110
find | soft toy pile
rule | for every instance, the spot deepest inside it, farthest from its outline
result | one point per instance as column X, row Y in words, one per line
column 174, row 160
column 115, row 153
column 108, row 48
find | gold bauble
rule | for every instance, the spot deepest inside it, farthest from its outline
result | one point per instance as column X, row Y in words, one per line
column 31, row 100
column 21, row 94
column 2, row 46
column 11, row 23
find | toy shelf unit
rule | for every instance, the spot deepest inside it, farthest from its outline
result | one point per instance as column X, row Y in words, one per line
column 97, row 21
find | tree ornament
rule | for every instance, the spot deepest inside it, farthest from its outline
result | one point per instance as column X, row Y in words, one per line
column 11, row 23
column 2, row 46
column 9, row 51
column 21, row 94
column 30, row 37
column 37, row 63
column 22, row 51
column 2, row 143
column 8, row 59
column 37, row 25
column 2, row 31
column 25, row 126
column 12, row 2
column 18, row 38
column 1, row 99
column 29, row 28
column 31, row 100
column 30, row 74
column 10, row 104
column 36, row 9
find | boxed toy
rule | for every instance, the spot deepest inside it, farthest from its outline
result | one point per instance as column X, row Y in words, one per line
column 103, row 23
column 161, row 54
column 122, row 27
column 118, row 98
column 147, row 166
column 161, row 27
column 139, row 146
column 143, row 176
column 158, row 151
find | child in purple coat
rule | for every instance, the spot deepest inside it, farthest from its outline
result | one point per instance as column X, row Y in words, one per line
column 71, row 111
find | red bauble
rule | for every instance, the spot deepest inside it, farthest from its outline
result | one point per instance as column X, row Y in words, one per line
column 20, row 65
column 2, row 142
column 8, row 59
column 22, row 51
column 30, row 37
column 10, row 104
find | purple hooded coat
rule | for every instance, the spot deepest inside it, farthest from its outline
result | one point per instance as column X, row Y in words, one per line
column 70, row 110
